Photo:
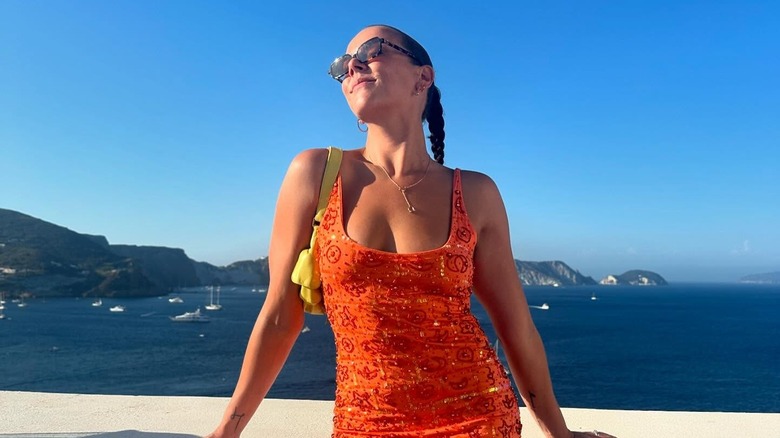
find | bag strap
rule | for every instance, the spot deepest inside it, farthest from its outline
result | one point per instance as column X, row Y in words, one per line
column 328, row 179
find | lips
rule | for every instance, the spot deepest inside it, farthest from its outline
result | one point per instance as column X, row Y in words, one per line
column 359, row 81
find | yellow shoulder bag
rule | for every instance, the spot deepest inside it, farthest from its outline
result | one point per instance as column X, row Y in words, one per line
column 306, row 272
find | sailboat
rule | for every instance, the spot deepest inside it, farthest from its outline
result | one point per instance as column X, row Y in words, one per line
column 593, row 297
column 212, row 305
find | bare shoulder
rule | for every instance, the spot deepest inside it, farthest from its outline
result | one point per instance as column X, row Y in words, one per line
column 482, row 198
column 301, row 186
column 480, row 190
column 477, row 183
column 308, row 162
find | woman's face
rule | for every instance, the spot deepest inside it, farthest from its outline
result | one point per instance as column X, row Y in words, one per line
column 383, row 85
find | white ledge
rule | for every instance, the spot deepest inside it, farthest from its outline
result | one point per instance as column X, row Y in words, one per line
column 35, row 414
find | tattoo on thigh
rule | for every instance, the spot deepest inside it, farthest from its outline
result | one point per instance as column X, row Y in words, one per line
column 238, row 416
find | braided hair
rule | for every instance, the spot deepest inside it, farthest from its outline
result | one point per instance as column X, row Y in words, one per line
column 433, row 112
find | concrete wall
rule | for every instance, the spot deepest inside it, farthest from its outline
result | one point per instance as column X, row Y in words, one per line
column 45, row 415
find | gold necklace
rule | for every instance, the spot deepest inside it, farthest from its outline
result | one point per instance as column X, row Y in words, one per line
column 403, row 189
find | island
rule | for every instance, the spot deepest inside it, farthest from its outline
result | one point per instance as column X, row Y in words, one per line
column 766, row 278
column 635, row 277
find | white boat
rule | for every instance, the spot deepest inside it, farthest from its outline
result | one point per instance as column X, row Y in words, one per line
column 544, row 306
column 195, row 316
column 306, row 329
column 593, row 297
column 175, row 300
column 212, row 305
column 97, row 303
column 117, row 309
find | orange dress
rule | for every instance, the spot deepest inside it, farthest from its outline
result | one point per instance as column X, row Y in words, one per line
column 412, row 360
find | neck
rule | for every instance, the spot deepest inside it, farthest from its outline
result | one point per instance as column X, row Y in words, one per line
column 398, row 151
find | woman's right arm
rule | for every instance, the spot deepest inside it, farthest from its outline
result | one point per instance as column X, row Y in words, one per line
column 281, row 319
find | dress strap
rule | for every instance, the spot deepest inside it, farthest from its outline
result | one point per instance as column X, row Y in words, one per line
column 457, row 195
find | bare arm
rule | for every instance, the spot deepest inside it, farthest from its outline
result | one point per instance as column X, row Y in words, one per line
column 498, row 288
column 281, row 318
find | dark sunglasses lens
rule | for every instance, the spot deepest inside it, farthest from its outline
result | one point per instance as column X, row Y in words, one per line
column 338, row 68
column 369, row 50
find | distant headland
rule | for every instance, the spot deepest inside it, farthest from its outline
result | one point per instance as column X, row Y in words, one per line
column 635, row 277
column 767, row 278
column 38, row 258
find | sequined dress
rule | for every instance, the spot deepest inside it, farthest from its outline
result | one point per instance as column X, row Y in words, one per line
column 412, row 360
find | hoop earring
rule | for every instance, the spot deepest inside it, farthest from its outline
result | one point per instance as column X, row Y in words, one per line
column 361, row 124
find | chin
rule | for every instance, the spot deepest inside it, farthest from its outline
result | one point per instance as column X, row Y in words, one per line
column 369, row 109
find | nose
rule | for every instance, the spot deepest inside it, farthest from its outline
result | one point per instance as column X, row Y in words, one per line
column 354, row 65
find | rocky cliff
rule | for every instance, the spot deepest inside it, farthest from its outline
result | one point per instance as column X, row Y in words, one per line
column 247, row 272
column 166, row 267
column 552, row 273
column 44, row 259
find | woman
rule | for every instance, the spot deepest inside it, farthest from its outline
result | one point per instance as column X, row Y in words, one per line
column 403, row 243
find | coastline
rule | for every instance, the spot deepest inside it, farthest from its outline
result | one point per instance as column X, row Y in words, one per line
column 658, row 349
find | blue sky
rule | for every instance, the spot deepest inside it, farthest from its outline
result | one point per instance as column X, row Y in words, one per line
column 622, row 135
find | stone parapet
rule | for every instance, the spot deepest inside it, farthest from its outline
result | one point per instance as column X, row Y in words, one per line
column 51, row 415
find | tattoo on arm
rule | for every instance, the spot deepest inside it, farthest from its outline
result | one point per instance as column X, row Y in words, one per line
column 532, row 396
column 236, row 415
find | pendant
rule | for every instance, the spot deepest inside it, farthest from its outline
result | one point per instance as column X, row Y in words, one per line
column 408, row 204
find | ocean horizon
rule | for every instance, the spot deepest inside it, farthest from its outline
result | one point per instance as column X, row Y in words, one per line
column 686, row 346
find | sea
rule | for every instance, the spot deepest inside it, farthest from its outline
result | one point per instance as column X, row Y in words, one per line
column 685, row 346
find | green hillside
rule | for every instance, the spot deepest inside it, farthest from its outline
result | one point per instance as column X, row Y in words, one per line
column 43, row 259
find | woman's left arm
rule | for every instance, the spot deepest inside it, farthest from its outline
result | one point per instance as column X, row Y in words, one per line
column 498, row 287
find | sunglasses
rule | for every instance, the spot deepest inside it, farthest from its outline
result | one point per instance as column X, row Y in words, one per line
column 372, row 48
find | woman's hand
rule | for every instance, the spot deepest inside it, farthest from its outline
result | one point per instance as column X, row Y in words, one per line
column 594, row 434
